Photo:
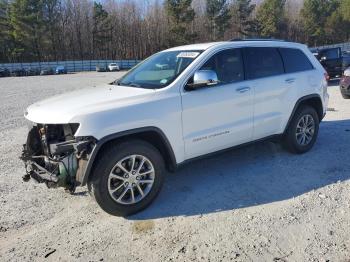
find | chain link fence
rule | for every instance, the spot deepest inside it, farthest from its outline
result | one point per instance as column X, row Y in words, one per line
column 343, row 46
column 71, row 66
column 90, row 65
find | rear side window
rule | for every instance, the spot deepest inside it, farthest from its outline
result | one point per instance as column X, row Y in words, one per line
column 295, row 60
column 263, row 62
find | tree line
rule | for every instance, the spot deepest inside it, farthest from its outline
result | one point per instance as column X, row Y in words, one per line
column 51, row 30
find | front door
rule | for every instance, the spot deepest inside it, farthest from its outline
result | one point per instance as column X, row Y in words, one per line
column 220, row 116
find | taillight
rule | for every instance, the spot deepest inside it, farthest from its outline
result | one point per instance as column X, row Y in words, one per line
column 326, row 76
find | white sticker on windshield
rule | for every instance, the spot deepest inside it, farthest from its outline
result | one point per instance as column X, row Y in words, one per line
column 188, row 55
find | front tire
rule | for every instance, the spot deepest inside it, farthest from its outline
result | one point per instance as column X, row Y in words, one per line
column 127, row 177
column 302, row 131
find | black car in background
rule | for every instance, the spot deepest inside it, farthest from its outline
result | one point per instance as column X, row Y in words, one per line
column 19, row 72
column 60, row 70
column 32, row 71
column 333, row 60
column 4, row 72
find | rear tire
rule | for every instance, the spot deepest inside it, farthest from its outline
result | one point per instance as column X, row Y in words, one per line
column 302, row 131
column 127, row 177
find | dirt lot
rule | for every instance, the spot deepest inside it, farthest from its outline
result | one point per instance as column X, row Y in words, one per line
column 258, row 203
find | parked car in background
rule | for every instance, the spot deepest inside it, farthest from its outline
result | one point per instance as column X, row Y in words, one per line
column 333, row 60
column 60, row 70
column 113, row 67
column 19, row 72
column 32, row 71
column 4, row 72
column 101, row 68
column 47, row 71
column 345, row 84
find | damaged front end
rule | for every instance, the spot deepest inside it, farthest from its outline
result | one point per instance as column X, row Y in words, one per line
column 52, row 155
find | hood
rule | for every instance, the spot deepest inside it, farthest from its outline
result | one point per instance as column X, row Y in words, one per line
column 63, row 108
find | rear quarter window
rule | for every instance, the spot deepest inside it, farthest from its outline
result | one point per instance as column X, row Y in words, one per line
column 295, row 60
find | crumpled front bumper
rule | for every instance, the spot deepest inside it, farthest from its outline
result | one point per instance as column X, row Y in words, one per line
column 57, row 164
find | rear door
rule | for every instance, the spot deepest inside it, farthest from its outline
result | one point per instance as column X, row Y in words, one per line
column 264, row 66
column 299, row 70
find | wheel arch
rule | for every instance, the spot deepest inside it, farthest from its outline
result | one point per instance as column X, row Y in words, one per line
column 313, row 100
column 152, row 135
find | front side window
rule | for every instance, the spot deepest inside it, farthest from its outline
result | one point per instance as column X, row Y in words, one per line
column 295, row 60
column 263, row 62
column 228, row 66
column 159, row 70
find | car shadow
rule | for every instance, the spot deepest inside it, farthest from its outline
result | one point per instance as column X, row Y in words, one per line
column 254, row 175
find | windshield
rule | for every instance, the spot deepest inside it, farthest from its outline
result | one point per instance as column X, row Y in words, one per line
column 159, row 70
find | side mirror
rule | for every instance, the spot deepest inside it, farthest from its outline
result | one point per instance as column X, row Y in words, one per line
column 203, row 78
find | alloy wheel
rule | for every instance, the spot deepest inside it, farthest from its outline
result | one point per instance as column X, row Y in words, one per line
column 131, row 179
column 305, row 130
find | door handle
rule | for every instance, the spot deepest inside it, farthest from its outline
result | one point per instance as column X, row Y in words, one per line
column 290, row 80
column 243, row 89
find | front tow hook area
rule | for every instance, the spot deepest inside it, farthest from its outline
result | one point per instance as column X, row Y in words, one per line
column 32, row 174
column 26, row 177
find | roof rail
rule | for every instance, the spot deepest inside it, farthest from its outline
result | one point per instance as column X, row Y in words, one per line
column 256, row 39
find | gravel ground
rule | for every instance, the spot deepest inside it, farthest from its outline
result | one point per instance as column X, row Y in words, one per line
column 257, row 203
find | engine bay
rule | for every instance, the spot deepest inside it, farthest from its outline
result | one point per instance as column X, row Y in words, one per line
column 53, row 155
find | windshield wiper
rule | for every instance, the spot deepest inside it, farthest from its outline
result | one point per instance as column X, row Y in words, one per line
column 115, row 82
column 133, row 84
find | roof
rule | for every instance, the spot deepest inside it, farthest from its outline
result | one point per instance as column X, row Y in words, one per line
column 238, row 43
column 202, row 46
column 256, row 39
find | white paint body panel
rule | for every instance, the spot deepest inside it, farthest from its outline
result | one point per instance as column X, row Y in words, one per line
column 216, row 118
column 196, row 122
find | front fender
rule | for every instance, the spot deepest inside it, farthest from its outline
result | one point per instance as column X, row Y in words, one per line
column 85, row 171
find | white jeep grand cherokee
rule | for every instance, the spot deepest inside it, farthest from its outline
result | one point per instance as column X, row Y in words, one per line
column 177, row 105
